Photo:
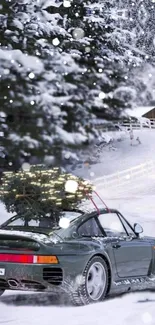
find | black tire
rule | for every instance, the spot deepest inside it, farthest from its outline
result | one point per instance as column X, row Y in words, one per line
column 79, row 294
column 1, row 292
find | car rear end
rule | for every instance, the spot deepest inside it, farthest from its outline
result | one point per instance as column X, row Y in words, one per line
column 28, row 264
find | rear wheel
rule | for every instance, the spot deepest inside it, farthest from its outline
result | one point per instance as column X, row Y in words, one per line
column 1, row 292
column 94, row 283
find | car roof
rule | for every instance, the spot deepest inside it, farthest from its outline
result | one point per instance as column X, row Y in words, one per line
column 103, row 210
column 85, row 214
column 94, row 212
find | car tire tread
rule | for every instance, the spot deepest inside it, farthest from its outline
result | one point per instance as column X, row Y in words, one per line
column 80, row 296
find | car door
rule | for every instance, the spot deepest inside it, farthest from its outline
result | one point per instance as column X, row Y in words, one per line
column 132, row 255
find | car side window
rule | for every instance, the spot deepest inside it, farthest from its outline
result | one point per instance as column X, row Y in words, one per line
column 112, row 224
column 17, row 222
column 90, row 228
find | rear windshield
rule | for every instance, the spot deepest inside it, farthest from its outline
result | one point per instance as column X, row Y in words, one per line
column 45, row 221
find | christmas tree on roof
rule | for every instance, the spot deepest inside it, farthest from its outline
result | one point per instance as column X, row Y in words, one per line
column 42, row 191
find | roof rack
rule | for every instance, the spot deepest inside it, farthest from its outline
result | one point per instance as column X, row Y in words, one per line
column 95, row 205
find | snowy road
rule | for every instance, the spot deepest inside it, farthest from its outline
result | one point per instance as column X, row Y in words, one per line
column 135, row 309
column 138, row 205
column 123, row 156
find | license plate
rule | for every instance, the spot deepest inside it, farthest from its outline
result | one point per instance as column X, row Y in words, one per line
column 2, row 271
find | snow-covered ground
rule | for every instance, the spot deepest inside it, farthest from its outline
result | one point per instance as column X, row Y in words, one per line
column 121, row 155
column 138, row 205
column 136, row 309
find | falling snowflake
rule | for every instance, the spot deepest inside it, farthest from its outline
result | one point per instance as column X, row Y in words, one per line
column 56, row 41
column 6, row 71
column 102, row 95
column 71, row 186
column 87, row 49
column 67, row 155
column 66, row 3
column 78, row 33
column 64, row 223
column 31, row 75
column 26, row 166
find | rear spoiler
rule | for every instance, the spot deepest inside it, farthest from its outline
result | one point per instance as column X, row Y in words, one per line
column 17, row 242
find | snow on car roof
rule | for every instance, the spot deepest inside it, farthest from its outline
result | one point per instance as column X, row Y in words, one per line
column 35, row 236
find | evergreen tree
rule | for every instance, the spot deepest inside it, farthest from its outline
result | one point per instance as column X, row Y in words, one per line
column 137, row 17
column 34, row 89
column 39, row 191
column 61, row 62
column 106, row 55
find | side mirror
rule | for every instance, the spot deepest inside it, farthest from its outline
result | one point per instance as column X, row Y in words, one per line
column 138, row 228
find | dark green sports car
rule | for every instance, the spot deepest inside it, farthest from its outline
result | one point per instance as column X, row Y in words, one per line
column 87, row 255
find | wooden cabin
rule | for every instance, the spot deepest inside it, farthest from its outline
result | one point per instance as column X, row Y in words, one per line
column 150, row 114
column 147, row 112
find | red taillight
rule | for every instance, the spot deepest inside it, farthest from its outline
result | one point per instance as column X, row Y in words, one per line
column 31, row 259
column 13, row 258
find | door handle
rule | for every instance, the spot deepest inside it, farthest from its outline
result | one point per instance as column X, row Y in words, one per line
column 116, row 246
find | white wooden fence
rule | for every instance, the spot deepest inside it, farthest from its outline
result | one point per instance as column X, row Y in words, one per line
column 149, row 124
column 125, row 177
column 126, row 125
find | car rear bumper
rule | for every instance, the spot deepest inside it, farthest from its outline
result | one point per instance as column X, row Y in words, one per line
column 32, row 277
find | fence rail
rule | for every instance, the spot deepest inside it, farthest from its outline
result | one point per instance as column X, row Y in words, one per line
column 125, row 177
column 126, row 125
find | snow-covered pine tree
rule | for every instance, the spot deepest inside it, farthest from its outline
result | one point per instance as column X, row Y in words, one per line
column 106, row 55
column 35, row 91
column 140, row 20
column 115, row 58
column 137, row 18
column 60, row 61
